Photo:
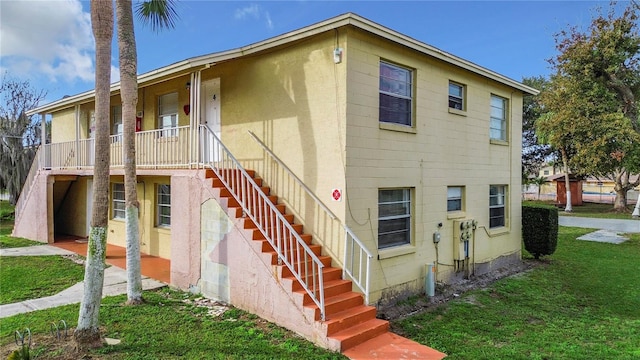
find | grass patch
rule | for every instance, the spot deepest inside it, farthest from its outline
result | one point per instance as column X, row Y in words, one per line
column 591, row 210
column 30, row 277
column 6, row 210
column 8, row 241
column 166, row 327
column 583, row 304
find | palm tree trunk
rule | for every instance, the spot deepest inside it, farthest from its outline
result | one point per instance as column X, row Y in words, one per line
column 87, row 333
column 129, row 96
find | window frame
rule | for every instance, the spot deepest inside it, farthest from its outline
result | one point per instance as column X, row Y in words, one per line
column 407, row 205
column 163, row 112
column 462, row 98
column 159, row 205
column 459, row 199
column 118, row 205
column 500, row 194
column 117, row 127
column 408, row 86
column 503, row 120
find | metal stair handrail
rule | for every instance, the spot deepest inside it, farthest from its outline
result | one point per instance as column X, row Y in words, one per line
column 290, row 247
column 356, row 253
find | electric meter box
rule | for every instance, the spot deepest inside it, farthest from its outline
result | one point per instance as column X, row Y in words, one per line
column 462, row 236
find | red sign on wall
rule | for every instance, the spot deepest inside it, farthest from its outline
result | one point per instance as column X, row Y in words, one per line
column 336, row 194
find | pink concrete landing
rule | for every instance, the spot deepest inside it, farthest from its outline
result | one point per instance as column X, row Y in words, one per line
column 392, row 346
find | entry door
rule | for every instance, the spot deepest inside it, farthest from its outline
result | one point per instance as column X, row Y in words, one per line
column 211, row 102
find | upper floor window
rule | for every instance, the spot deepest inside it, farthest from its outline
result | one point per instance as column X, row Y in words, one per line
column 497, row 213
column 498, row 125
column 168, row 113
column 456, row 96
column 116, row 120
column 395, row 94
column 394, row 217
column 454, row 198
column 163, row 205
column 117, row 201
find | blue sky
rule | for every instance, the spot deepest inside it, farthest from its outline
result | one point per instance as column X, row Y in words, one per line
column 50, row 42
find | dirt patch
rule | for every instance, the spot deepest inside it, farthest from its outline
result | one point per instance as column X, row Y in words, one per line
column 444, row 293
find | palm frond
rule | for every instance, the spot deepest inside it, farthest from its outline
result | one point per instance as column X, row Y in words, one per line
column 159, row 14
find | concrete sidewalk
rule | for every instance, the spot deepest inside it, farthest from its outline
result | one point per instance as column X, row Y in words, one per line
column 115, row 283
column 619, row 225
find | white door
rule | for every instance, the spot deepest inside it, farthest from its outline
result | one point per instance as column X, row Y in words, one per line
column 211, row 102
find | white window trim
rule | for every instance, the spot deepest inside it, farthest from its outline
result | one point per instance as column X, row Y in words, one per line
column 461, row 198
column 463, row 98
column 504, row 195
column 410, row 97
column 407, row 198
column 169, row 130
column 503, row 121
column 114, row 211
column 159, row 205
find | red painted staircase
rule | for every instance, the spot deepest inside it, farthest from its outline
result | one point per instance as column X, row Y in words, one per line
column 348, row 321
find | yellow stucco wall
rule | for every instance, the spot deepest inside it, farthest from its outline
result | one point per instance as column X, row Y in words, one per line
column 154, row 240
column 293, row 100
column 321, row 119
column 442, row 149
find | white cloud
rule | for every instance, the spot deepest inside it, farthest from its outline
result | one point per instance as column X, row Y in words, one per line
column 254, row 11
column 47, row 38
column 251, row 10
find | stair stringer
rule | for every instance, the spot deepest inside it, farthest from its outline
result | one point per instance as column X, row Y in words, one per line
column 35, row 221
column 258, row 285
column 255, row 284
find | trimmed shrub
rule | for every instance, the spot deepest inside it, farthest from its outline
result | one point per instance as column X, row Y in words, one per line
column 539, row 229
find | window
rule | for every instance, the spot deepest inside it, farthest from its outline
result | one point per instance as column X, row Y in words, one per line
column 163, row 205
column 546, row 172
column 497, row 196
column 394, row 217
column 117, row 202
column 498, row 126
column 395, row 94
column 454, row 198
column 116, row 120
column 168, row 113
column 456, row 96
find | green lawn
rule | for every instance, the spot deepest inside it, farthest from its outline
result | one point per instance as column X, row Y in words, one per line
column 582, row 303
column 6, row 210
column 593, row 210
column 166, row 327
column 30, row 277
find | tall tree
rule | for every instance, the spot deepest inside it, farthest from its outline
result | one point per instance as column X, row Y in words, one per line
column 598, row 73
column 19, row 134
column 129, row 96
column 87, row 333
column 160, row 14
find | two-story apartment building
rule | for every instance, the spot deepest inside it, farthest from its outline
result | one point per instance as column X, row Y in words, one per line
column 370, row 155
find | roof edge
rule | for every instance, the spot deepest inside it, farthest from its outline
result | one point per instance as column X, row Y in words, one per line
column 302, row 33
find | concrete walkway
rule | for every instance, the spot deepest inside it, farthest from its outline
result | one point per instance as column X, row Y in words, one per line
column 115, row 283
column 619, row 225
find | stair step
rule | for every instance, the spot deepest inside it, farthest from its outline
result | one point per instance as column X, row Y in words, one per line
column 331, row 288
column 345, row 319
column 328, row 274
column 341, row 302
column 326, row 261
column 360, row 333
column 250, row 224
